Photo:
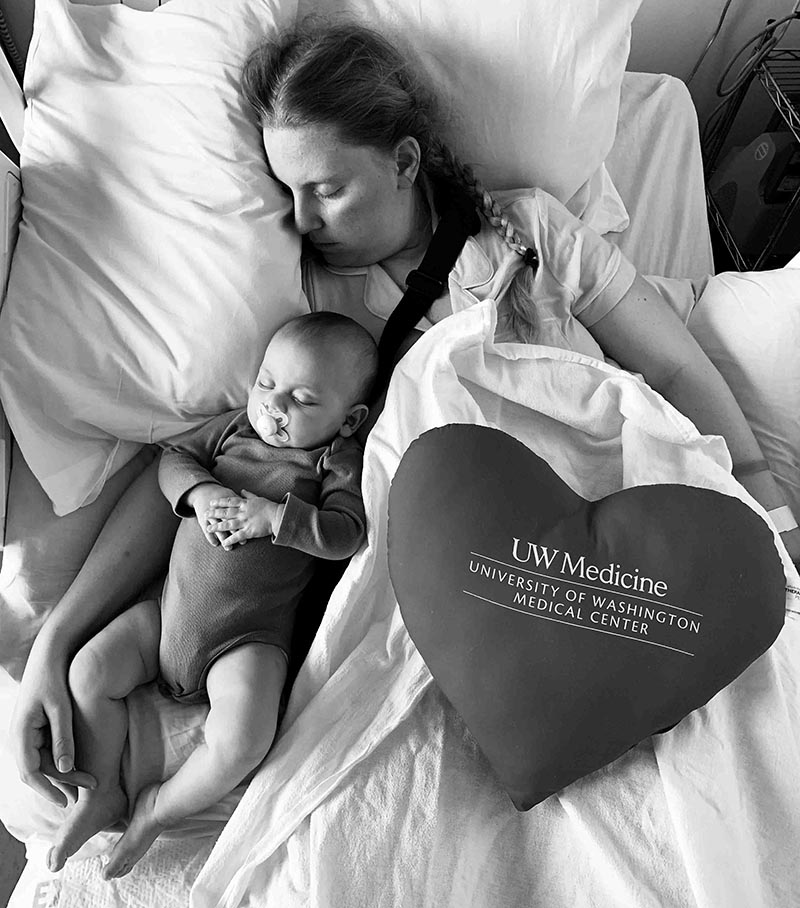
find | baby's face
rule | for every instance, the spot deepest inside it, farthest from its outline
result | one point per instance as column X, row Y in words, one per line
column 300, row 399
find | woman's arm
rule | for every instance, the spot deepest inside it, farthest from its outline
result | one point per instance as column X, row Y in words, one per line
column 643, row 334
column 131, row 550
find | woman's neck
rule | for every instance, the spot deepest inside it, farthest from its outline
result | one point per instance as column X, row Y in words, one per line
column 410, row 255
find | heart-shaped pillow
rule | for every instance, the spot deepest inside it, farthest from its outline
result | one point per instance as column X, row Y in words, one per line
column 566, row 631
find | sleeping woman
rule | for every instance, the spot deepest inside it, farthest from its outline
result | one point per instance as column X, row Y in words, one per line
column 351, row 133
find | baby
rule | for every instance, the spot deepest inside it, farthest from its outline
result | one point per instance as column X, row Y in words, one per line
column 283, row 481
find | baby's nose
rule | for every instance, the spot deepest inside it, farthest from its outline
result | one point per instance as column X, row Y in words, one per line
column 276, row 407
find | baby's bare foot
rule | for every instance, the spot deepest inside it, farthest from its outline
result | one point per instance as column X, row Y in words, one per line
column 96, row 809
column 143, row 829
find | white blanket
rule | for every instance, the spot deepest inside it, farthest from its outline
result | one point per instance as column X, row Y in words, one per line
column 375, row 794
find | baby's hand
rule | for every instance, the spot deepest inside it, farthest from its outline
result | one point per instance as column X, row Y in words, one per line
column 199, row 498
column 248, row 517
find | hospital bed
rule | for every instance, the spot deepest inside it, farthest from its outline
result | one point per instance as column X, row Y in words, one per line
column 375, row 793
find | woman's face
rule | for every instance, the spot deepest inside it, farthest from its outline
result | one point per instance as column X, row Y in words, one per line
column 354, row 203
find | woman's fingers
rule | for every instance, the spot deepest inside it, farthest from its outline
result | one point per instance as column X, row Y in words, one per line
column 62, row 744
column 72, row 780
column 41, row 728
column 70, row 792
column 28, row 738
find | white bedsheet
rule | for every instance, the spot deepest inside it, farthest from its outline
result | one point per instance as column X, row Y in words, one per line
column 376, row 796
column 657, row 168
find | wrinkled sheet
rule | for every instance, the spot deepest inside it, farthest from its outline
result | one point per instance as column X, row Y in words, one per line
column 657, row 169
column 376, row 795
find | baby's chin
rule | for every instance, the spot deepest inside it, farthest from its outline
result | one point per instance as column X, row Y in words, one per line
column 275, row 441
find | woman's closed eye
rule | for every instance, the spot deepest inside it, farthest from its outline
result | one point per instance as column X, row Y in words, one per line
column 326, row 193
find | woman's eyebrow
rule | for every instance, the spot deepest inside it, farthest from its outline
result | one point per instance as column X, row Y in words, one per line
column 323, row 181
column 333, row 176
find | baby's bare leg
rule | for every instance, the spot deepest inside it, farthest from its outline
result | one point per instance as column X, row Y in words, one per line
column 244, row 690
column 118, row 659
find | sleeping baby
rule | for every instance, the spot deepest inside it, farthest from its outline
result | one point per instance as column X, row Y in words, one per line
column 263, row 492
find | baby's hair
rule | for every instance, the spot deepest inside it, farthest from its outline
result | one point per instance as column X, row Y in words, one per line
column 322, row 328
column 349, row 77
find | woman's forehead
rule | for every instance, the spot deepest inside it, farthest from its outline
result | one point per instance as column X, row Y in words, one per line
column 306, row 155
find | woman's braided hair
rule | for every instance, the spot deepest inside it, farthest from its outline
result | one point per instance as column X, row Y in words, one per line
column 350, row 77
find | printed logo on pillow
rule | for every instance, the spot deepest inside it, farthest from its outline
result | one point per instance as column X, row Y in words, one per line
column 564, row 587
column 566, row 631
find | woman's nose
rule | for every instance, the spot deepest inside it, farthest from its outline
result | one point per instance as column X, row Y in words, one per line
column 306, row 216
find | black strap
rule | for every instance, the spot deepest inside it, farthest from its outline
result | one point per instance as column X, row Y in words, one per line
column 458, row 220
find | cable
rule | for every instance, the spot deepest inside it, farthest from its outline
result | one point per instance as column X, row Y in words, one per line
column 766, row 39
column 756, row 57
column 711, row 40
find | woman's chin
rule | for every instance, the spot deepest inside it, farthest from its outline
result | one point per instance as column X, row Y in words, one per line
column 339, row 257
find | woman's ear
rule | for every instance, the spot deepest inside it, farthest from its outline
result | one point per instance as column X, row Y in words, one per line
column 353, row 420
column 408, row 156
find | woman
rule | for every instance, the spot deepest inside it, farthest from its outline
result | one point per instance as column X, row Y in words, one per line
column 351, row 134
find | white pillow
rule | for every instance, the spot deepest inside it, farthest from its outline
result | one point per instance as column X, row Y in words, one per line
column 749, row 325
column 152, row 263
column 532, row 86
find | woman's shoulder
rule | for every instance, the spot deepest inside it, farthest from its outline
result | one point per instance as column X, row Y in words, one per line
column 527, row 209
column 533, row 211
column 532, row 202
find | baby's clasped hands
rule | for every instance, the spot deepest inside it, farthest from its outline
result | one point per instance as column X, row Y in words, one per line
column 248, row 517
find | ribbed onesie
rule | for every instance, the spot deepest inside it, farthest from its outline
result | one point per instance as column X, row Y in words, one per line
column 214, row 599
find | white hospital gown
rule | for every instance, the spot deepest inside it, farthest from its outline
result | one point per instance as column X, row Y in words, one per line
column 580, row 277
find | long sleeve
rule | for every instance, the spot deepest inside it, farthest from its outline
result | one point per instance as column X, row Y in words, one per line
column 188, row 462
column 336, row 527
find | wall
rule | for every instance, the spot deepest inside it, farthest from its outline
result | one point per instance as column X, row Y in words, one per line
column 669, row 36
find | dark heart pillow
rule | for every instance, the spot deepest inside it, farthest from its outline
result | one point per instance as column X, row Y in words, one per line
column 566, row 631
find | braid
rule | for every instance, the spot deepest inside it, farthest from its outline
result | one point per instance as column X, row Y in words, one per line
column 439, row 161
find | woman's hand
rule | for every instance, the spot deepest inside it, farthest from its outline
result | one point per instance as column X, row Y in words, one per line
column 41, row 728
column 245, row 517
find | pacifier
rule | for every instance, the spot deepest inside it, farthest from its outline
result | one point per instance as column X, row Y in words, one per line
column 272, row 425
column 267, row 424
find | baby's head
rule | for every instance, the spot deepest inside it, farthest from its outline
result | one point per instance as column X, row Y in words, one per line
column 314, row 382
